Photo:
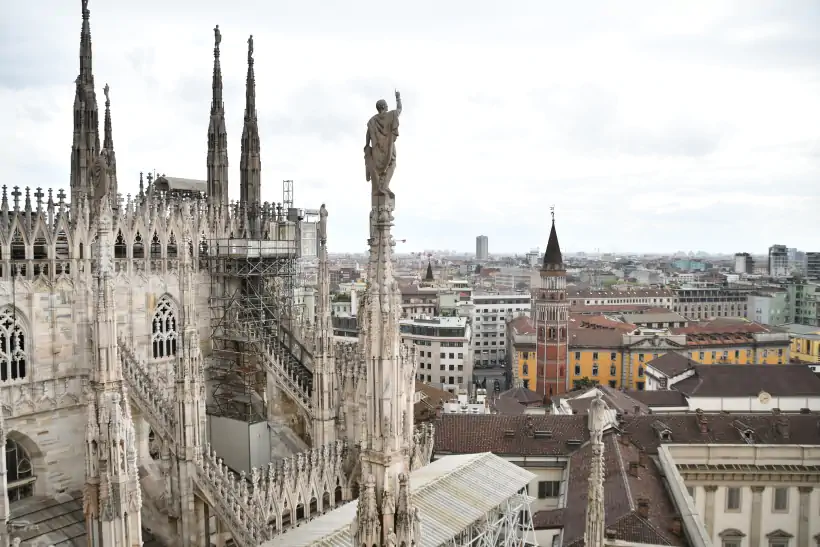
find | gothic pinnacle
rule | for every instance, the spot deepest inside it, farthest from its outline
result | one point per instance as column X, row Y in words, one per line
column 216, row 103
column 108, row 140
column 85, row 46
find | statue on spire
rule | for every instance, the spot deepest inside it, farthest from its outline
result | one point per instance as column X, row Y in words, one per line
column 380, row 147
column 217, row 37
column 250, row 48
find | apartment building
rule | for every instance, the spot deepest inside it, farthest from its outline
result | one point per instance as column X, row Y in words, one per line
column 660, row 298
column 697, row 301
column 769, row 306
column 482, row 248
column 618, row 359
column 744, row 263
column 419, row 301
column 489, row 320
column 804, row 298
column 778, row 261
column 443, row 346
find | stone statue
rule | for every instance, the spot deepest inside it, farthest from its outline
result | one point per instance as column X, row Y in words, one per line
column 390, row 540
column 597, row 418
column 250, row 47
column 105, row 92
column 380, row 147
column 101, row 176
column 322, row 224
column 217, row 36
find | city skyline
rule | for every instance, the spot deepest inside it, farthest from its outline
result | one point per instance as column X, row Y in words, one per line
column 649, row 127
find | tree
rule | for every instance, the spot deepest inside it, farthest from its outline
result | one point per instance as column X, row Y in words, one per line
column 584, row 383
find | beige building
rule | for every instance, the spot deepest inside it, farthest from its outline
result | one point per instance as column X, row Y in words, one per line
column 443, row 346
column 489, row 318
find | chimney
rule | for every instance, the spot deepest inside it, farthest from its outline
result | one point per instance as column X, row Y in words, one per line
column 643, row 507
column 677, row 526
column 643, row 459
column 439, row 408
column 636, row 410
column 783, row 427
column 633, row 468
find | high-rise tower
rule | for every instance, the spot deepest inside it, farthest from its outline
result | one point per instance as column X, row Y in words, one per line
column 551, row 308
column 86, row 142
column 217, row 184
column 250, row 164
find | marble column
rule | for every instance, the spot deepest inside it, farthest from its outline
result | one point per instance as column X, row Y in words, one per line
column 757, row 514
column 709, row 509
column 803, row 522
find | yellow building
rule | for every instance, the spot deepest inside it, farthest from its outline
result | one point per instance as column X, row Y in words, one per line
column 805, row 343
column 618, row 359
column 521, row 352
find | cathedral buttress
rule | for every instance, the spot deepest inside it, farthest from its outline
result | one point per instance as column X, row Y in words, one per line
column 112, row 499
column 384, row 511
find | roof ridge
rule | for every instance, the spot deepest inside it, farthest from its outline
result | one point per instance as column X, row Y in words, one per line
column 623, row 475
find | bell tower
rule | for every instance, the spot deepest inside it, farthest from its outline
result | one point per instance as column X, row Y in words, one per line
column 551, row 318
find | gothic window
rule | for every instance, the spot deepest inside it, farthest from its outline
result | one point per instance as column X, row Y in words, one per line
column 40, row 247
column 13, row 359
column 139, row 246
column 19, row 472
column 120, row 250
column 171, row 248
column 156, row 247
column 164, row 330
column 18, row 246
column 61, row 245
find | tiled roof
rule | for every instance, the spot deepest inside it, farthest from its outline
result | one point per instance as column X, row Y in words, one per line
column 425, row 409
column 750, row 380
column 722, row 327
column 722, row 428
column 658, row 398
column 507, row 406
column 522, row 325
column 508, row 435
column 595, row 338
column 548, row 519
column 671, row 364
column 621, row 494
column 523, row 395
column 599, row 321
column 611, row 293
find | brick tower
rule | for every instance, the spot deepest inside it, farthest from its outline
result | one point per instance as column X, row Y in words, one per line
column 551, row 316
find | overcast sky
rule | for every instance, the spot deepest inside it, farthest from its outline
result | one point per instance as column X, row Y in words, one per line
column 650, row 126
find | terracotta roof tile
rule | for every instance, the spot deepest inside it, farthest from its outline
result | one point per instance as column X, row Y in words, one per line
column 595, row 338
column 468, row 434
column 671, row 364
column 658, row 398
column 523, row 395
column 749, row 381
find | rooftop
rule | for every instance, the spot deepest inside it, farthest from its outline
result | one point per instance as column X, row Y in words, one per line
column 654, row 317
column 436, row 321
column 672, row 364
column 451, row 494
column 750, row 380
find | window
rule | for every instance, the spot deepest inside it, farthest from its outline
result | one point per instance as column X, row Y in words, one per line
column 19, row 472
column 164, row 336
column 594, row 355
column 549, row 489
column 780, row 500
column 612, row 370
column 639, row 385
column 731, row 538
column 577, row 369
column 595, row 370
column 13, row 357
column 577, row 355
column 733, row 499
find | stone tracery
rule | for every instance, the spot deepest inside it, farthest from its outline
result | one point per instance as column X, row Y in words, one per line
column 13, row 355
column 164, row 330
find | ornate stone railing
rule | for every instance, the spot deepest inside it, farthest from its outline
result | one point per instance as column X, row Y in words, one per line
column 149, row 395
column 285, row 368
column 423, row 438
column 271, row 499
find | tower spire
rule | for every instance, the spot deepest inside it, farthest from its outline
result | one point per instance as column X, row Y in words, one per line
column 86, row 140
column 217, row 185
column 595, row 523
column 108, row 147
column 324, row 370
column 250, row 164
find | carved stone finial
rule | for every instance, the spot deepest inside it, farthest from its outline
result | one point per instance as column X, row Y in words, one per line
column 107, row 98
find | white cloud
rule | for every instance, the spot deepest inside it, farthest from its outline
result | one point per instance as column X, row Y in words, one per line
column 650, row 126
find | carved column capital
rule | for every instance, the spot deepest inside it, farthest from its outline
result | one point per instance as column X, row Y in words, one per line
column 758, row 489
column 710, row 488
column 805, row 489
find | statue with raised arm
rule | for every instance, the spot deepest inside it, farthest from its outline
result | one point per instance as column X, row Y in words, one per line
column 380, row 147
column 322, row 225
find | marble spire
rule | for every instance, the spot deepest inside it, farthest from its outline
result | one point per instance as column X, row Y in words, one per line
column 595, row 515
column 384, row 514
column 217, row 163
column 325, row 382
column 250, row 163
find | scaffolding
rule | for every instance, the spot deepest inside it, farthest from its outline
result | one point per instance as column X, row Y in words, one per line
column 252, row 304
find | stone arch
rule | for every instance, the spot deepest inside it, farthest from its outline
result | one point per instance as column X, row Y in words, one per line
column 26, row 470
column 14, row 340
column 156, row 246
column 164, row 328
column 138, row 246
column 120, row 247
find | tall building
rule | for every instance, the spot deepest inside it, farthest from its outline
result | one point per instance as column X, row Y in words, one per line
column 443, row 347
column 482, row 248
column 778, row 261
column 813, row 265
column 551, row 318
column 744, row 263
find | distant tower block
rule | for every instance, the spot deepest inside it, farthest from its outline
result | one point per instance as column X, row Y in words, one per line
column 482, row 248
column 551, row 318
